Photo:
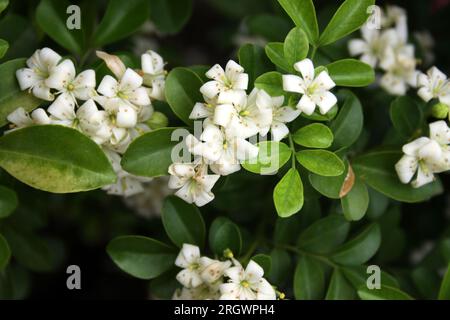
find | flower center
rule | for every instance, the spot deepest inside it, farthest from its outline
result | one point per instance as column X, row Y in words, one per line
column 244, row 113
column 245, row 284
column 70, row 87
column 194, row 266
column 122, row 95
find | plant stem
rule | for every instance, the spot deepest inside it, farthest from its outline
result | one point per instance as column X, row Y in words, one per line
column 292, row 146
column 313, row 52
column 310, row 254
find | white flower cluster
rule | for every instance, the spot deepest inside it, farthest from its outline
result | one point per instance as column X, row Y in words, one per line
column 111, row 115
column 388, row 49
column 208, row 279
column 426, row 156
column 435, row 85
column 230, row 117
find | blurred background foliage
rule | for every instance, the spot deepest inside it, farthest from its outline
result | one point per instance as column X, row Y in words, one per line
column 48, row 232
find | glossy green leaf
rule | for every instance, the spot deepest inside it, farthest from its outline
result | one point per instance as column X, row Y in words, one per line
column 324, row 235
column 51, row 17
column 150, row 154
column 356, row 202
column 3, row 5
column 264, row 262
column 55, row 159
column 315, row 135
column 339, row 288
column 275, row 53
column 4, row 46
column 271, row 82
column 444, row 291
column 406, row 116
column 183, row 222
column 5, row 253
column 330, row 187
column 321, row 162
column 183, row 92
column 8, row 201
column 253, row 59
column 170, row 16
column 288, row 194
column 280, row 266
column 348, row 124
column 351, row 73
column 11, row 97
column 142, row 257
column 120, row 20
column 224, row 234
column 309, row 279
column 269, row 26
column 350, row 16
column 296, row 46
column 303, row 13
column 271, row 157
column 358, row 276
column 384, row 293
column 359, row 249
column 377, row 169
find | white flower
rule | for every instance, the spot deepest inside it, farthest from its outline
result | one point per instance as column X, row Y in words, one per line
column 372, row 45
column 247, row 284
column 212, row 270
column 154, row 74
column 280, row 116
column 205, row 109
column 20, row 118
column 400, row 66
column 189, row 260
column 245, row 116
column 434, row 84
column 40, row 67
column 193, row 181
column 315, row 89
column 126, row 184
column 128, row 90
column 225, row 83
column 425, row 156
column 223, row 150
column 69, row 86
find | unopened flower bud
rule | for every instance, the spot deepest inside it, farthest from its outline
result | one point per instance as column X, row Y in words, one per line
column 440, row 110
column 158, row 120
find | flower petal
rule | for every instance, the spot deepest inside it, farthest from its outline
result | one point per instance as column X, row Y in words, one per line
column 306, row 68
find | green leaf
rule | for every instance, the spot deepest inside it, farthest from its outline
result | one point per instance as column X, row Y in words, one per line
column 315, row 135
column 356, row 202
column 150, row 154
column 271, row 82
column 444, row 291
column 183, row 222
column 8, row 201
column 296, row 46
column 142, row 257
column 309, row 279
column 339, row 288
column 280, row 266
column 303, row 13
column 359, row 249
column 325, row 234
column 11, row 97
column 51, row 17
column 164, row 286
column 170, row 16
column 183, row 92
column 317, row 116
column 55, row 158
column 254, row 61
column 271, row 157
column 4, row 46
column 351, row 73
column 384, row 293
column 288, row 194
column 358, row 276
column 321, row 162
column 5, row 253
column 120, row 20
column 377, row 169
column 3, row 5
column 275, row 53
column 406, row 116
column 29, row 250
column 224, row 234
column 348, row 124
column 330, row 187
column 350, row 16
column 264, row 262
